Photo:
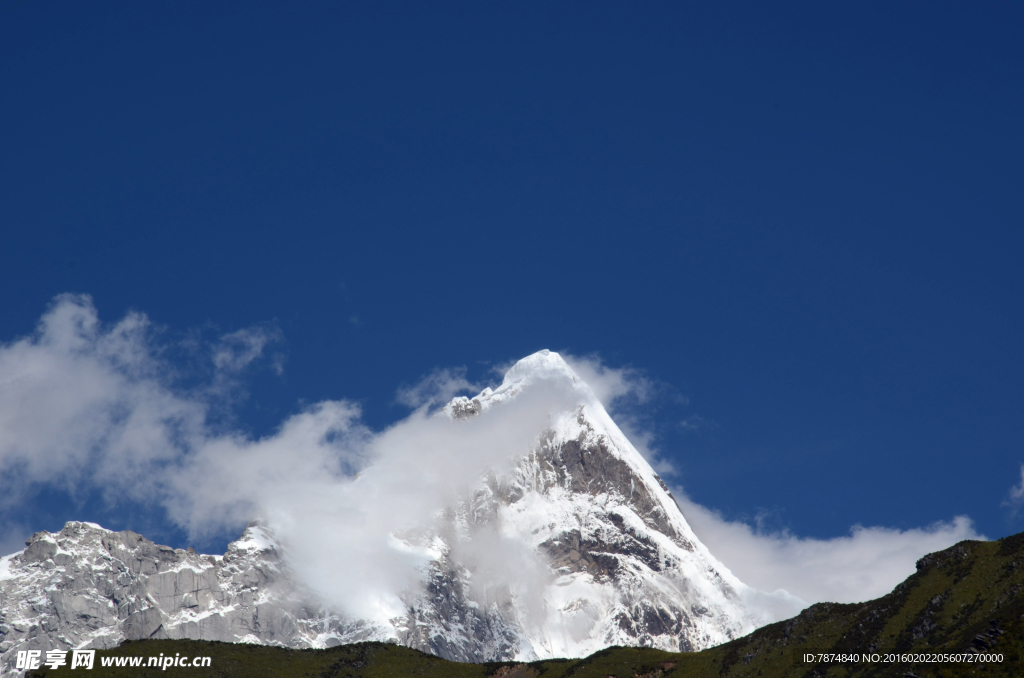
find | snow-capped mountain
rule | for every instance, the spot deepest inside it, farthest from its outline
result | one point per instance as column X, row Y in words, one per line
column 598, row 550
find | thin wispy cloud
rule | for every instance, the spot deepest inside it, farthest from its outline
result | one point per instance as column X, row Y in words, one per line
column 1015, row 499
column 235, row 351
column 625, row 392
column 611, row 384
column 437, row 388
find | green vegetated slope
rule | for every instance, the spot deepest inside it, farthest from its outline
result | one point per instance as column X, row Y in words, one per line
column 965, row 599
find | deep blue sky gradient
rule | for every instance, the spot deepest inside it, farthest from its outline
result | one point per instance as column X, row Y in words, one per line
column 803, row 221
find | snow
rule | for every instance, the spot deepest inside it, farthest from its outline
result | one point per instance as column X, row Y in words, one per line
column 190, row 564
column 5, row 566
column 255, row 538
column 580, row 609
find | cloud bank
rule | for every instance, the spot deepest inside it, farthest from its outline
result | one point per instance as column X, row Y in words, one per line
column 100, row 407
column 862, row 565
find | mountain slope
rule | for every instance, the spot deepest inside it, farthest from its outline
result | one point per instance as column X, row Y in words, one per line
column 965, row 600
column 625, row 567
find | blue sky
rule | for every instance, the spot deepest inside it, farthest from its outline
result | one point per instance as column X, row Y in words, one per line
column 802, row 224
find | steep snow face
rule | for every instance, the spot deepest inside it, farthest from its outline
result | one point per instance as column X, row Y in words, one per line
column 574, row 546
column 624, row 567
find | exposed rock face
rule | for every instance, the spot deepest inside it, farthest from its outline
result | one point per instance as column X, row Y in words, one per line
column 89, row 587
column 605, row 558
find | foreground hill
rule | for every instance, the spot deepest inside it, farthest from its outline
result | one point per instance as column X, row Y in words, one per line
column 964, row 600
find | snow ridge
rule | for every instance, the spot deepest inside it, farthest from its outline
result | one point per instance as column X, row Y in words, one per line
column 627, row 569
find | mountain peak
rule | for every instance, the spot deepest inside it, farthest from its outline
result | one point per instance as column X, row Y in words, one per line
column 543, row 364
column 585, row 502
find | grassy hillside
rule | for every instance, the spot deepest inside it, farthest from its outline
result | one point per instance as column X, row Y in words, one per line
column 966, row 599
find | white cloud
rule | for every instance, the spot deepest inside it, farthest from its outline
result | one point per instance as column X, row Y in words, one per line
column 624, row 391
column 1016, row 497
column 87, row 405
column 340, row 531
column 236, row 351
column 437, row 388
column 860, row 566
column 83, row 403
column 610, row 384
